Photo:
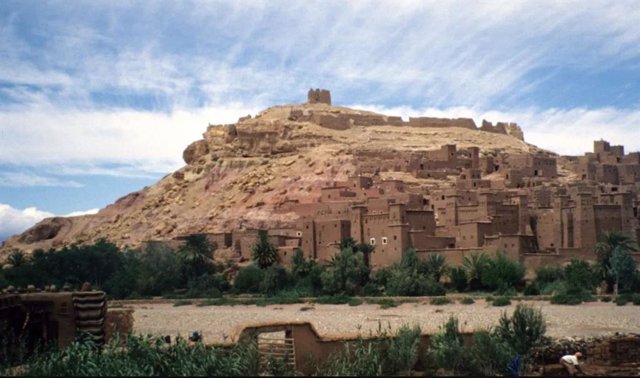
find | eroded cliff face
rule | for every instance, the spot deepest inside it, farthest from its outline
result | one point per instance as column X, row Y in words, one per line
column 244, row 175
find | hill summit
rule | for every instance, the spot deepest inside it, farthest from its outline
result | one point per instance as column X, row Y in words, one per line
column 299, row 165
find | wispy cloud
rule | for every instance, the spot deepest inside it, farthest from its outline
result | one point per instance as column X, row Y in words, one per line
column 122, row 89
column 20, row 179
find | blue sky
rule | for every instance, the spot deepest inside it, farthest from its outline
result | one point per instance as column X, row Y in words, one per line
column 99, row 98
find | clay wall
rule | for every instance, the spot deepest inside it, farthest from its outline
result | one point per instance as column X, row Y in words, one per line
column 338, row 193
column 331, row 121
column 607, row 173
column 308, row 240
column 471, row 235
column 466, row 123
column 421, row 220
column 546, row 229
column 328, row 234
column 367, row 119
column 420, row 240
column 608, row 218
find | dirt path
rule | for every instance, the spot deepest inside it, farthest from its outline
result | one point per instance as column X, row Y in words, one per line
column 221, row 323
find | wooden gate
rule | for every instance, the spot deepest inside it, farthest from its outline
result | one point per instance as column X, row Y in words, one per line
column 276, row 348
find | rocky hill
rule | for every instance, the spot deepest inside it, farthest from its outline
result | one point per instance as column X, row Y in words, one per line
column 241, row 175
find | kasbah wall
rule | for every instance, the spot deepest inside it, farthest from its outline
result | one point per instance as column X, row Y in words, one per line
column 521, row 210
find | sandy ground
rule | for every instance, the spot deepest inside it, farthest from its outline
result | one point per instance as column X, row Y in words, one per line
column 223, row 323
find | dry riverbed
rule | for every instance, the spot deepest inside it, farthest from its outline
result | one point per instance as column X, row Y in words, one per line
column 222, row 323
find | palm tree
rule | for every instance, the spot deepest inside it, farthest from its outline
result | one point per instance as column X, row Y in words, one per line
column 474, row 264
column 264, row 253
column 605, row 247
column 436, row 266
column 17, row 258
column 367, row 250
column 197, row 253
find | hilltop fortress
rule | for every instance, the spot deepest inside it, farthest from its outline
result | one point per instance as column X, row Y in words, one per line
column 313, row 174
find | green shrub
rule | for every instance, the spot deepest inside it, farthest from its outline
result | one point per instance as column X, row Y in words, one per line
column 580, row 276
column 554, row 288
column 276, row 278
column 333, row 299
column 183, row 302
column 501, row 273
column 402, row 351
column 403, row 282
column 532, row 289
column 501, row 301
column 467, row 301
column 459, row 280
column 439, row 301
column 489, row 298
column 384, row 303
column 361, row 358
column 549, row 274
column 489, row 355
column 447, row 349
column 605, row 299
column 571, row 298
column 524, row 330
column 249, row 279
column 355, row 302
column 214, row 302
column 347, row 273
column 622, row 300
column 635, row 298
column 144, row 356
column 208, row 285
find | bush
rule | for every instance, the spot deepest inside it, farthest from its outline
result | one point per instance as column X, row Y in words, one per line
column 355, row 302
column 458, row 276
column 524, row 331
column 403, row 282
column 358, row 359
column 501, row 301
column 532, row 289
column 248, row 279
column 580, row 276
column 183, row 302
column 489, row 355
column 385, row 303
column 501, row 273
column 467, row 301
column 622, row 300
column 402, row 351
column 635, row 298
column 549, row 274
column 333, row 299
column 347, row 273
column 605, row 299
column 447, row 349
column 144, row 356
column 567, row 299
column 208, row 285
column 439, row 301
column 276, row 278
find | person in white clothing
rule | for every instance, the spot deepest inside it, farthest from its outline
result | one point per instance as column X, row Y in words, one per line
column 571, row 363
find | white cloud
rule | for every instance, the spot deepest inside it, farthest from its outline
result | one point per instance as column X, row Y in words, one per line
column 21, row 179
column 564, row 131
column 85, row 212
column 130, row 143
column 200, row 63
column 14, row 221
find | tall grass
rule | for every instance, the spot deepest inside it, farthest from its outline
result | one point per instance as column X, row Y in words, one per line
column 144, row 356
